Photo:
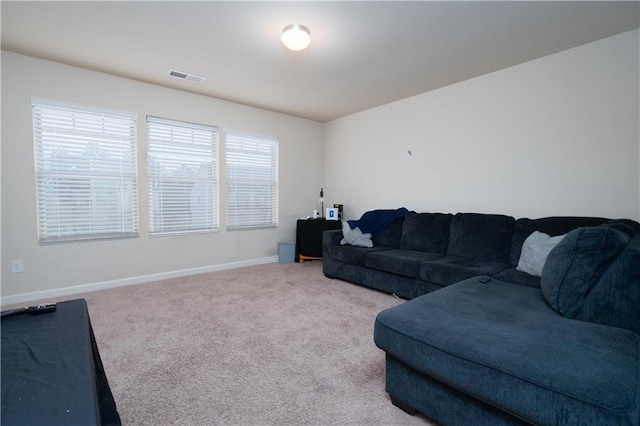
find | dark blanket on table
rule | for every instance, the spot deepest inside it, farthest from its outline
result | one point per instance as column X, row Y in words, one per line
column 375, row 221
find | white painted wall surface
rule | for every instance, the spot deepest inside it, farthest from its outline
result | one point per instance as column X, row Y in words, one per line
column 53, row 267
column 556, row 136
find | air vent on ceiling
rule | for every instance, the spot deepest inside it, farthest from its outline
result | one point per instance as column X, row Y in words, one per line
column 186, row 76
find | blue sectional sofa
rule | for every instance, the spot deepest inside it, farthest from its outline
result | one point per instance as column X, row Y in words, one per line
column 495, row 345
column 424, row 252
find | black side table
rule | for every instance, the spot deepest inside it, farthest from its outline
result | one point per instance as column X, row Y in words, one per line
column 309, row 237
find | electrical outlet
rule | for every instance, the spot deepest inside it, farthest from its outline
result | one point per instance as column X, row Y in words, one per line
column 17, row 266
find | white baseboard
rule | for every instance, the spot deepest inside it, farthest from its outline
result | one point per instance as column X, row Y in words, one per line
column 84, row 288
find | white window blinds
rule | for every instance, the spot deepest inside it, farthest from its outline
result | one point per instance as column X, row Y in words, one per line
column 85, row 172
column 252, row 180
column 182, row 166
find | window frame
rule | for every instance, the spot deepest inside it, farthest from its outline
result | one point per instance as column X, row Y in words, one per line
column 154, row 125
column 234, row 137
column 71, row 131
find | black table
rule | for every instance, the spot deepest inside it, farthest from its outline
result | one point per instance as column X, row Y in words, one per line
column 52, row 373
column 309, row 237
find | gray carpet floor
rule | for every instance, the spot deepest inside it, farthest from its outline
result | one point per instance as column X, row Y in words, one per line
column 274, row 344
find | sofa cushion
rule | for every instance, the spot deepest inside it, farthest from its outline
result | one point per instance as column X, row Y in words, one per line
column 399, row 261
column 575, row 266
column 427, row 232
column 390, row 235
column 502, row 344
column 481, row 236
column 628, row 226
column 535, row 250
column 615, row 300
column 354, row 255
column 451, row 269
column 552, row 226
column 595, row 276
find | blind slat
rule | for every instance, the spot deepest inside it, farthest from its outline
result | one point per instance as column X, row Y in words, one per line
column 85, row 172
column 182, row 170
column 252, row 180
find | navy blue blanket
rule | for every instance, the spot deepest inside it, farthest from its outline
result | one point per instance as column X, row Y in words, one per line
column 375, row 221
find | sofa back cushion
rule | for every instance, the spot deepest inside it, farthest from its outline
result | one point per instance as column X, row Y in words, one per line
column 593, row 275
column 390, row 235
column 428, row 232
column 552, row 226
column 615, row 300
column 628, row 226
column 484, row 237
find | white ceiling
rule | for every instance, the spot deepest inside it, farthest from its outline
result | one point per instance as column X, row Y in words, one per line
column 362, row 54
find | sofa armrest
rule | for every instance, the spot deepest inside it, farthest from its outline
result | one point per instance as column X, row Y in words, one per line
column 330, row 239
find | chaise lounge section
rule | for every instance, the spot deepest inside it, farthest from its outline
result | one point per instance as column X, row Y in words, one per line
column 485, row 351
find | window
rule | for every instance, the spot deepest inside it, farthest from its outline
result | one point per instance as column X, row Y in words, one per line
column 183, row 190
column 252, row 180
column 85, row 162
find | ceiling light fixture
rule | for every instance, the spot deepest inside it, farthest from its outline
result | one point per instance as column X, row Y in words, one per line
column 296, row 37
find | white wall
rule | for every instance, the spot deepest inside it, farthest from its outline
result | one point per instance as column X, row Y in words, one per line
column 104, row 263
column 555, row 136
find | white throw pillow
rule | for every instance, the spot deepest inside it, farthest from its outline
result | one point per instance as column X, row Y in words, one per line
column 355, row 237
column 535, row 250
